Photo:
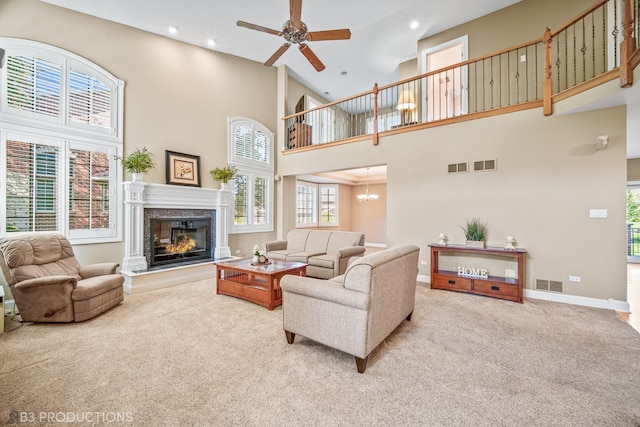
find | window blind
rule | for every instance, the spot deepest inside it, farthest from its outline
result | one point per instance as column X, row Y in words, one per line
column 32, row 187
column 90, row 100
column 34, row 85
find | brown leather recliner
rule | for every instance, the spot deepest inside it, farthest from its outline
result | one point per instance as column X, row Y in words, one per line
column 49, row 285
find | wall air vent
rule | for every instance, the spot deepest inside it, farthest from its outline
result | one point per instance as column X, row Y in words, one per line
column 555, row 286
column 484, row 165
column 542, row 285
column 457, row 167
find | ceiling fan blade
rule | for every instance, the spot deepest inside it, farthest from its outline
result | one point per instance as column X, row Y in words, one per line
column 295, row 12
column 258, row 28
column 308, row 53
column 278, row 54
column 329, row 35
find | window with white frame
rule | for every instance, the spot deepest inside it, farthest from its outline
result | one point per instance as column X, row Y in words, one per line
column 316, row 204
column 251, row 152
column 60, row 138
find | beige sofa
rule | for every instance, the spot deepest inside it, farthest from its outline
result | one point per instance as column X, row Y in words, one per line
column 356, row 311
column 48, row 284
column 326, row 252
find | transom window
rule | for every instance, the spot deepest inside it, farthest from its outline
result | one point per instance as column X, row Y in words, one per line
column 60, row 137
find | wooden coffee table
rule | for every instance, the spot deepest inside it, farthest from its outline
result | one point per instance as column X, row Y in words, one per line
column 256, row 283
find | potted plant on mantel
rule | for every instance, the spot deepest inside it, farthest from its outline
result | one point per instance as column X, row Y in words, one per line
column 475, row 232
column 224, row 175
column 138, row 163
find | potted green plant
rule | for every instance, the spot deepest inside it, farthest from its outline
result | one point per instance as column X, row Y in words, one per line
column 138, row 163
column 224, row 175
column 475, row 232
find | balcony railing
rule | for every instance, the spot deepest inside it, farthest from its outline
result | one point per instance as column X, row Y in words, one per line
column 596, row 46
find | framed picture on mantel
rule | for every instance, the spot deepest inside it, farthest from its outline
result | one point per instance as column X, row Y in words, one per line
column 182, row 169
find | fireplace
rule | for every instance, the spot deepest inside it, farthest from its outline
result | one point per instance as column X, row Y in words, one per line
column 181, row 206
column 179, row 240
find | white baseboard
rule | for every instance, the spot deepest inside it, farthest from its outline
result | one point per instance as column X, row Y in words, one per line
column 610, row 304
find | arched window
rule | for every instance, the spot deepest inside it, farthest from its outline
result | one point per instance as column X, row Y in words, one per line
column 60, row 138
column 251, row 152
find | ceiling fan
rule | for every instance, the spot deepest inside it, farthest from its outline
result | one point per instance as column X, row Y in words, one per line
column 295, row 31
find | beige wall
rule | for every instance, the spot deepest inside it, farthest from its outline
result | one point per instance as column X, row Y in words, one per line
column 371, row 217
column 549, row 175
column 519, row 23
column 177, row 97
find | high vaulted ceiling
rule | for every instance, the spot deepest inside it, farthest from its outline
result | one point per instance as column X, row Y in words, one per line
column 380, row 34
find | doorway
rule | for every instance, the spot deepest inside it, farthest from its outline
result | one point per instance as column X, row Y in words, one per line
column 445, row 92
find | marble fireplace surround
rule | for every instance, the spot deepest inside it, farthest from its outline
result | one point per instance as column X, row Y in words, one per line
column 141, row 197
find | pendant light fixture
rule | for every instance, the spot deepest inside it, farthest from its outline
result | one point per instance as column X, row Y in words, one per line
column 367, row 197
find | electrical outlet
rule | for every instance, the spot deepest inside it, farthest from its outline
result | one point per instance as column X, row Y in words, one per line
column 523, row 58
column 597, row 213
column 237, row 251
column 424, row 262
column 575, row 279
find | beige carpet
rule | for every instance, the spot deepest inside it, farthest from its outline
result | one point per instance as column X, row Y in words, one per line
column 186, row 356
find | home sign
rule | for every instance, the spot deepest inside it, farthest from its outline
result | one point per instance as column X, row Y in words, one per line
column 473, row 272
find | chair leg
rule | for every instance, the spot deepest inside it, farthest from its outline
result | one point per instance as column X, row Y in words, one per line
column 361, row 364
column 409, row 316
column 290, row 336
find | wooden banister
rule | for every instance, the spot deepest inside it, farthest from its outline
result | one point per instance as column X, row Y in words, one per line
column 547, row 88
column 627, row 46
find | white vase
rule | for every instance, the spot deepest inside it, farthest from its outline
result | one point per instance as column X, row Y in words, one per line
column 225, row 186
column 137, row 177
column 256, row 258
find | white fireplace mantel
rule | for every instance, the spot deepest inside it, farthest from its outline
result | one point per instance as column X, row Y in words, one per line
column 140, row 195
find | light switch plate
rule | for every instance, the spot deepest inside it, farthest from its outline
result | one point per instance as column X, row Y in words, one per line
column 597, row 213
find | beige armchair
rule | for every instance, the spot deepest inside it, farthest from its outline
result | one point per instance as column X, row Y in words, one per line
column 48, row 284
column 356, row 311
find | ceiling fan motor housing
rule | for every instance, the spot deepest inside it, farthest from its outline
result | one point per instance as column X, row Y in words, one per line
column 293, row 34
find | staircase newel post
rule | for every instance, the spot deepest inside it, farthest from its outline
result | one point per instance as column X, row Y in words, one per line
column 547, row 88
column 627, row 46
column 375, row 114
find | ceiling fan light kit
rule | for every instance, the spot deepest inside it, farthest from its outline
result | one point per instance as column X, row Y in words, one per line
column 294, row 31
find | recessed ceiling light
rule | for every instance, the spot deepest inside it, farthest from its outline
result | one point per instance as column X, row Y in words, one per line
column 173, row 30
column 211, row 42
column 414, row 25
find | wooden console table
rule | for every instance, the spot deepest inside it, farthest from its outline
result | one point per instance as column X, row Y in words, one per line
column 494, row 286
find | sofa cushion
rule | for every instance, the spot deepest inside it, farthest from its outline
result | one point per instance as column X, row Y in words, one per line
column 302, row 256
column 344, row 239
column 38, row 256
column 281, row 255
column 317, row 242
column 325, row 260
column 297, row 240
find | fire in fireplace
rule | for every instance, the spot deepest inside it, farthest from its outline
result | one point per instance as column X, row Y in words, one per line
column 179, row 240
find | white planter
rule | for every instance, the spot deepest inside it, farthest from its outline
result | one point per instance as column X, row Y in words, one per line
column 137, row 177
column 225, row 186
column 475, row 243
